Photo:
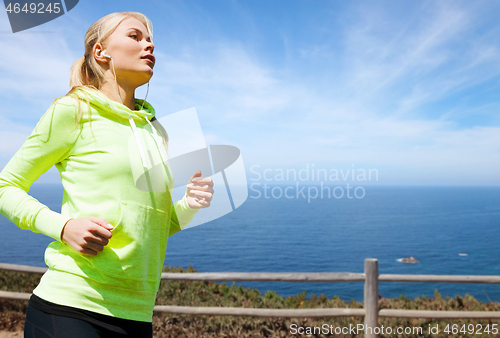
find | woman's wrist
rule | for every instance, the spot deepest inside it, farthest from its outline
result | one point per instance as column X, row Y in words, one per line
column 62, row 231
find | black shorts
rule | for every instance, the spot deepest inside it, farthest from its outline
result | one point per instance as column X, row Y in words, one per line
column 48, row 320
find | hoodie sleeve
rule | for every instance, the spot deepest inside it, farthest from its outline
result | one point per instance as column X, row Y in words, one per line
column 182, row 214
column 50, row 143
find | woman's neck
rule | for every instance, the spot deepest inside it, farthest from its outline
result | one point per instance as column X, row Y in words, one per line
column 126, row 95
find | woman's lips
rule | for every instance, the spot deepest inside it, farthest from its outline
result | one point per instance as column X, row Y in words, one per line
column 150, row 58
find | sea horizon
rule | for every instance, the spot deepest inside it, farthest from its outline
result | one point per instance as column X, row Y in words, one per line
column 449, row 229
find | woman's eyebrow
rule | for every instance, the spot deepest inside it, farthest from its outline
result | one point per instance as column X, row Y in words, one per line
column 135, row 29
column 138, row 31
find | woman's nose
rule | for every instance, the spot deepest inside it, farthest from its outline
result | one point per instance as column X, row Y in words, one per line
column 150, row 46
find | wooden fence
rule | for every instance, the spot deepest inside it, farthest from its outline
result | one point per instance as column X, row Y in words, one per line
column 370, row 277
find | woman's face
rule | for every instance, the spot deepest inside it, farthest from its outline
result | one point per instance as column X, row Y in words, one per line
column 131, row 50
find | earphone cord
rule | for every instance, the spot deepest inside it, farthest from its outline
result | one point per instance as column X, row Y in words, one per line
column 116, row 86
column 143, row 101
column 116, row 82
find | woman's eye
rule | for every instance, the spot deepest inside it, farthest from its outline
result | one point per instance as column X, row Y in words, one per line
column 133, row 37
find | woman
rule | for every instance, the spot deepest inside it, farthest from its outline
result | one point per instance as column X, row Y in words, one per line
column 117, row 211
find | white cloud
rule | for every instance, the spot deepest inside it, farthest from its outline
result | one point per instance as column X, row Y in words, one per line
column 10, row 142
column 373, row 106
column 287, row 123
column 36, row 64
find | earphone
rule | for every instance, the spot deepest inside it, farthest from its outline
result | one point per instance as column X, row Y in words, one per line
column 116, row 83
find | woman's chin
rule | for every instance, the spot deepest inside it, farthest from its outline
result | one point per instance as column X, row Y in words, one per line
column 145, row 79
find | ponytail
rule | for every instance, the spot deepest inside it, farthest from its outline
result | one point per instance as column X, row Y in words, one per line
column 76, row 77
column 86, row 71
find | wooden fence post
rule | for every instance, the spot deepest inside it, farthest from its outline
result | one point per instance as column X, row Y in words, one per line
column 371, row 298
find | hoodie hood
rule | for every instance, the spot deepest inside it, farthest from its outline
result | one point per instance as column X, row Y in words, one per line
column 102, row 102
column 143, row 114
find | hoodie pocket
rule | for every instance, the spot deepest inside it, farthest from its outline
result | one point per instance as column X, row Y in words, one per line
column 138, row 245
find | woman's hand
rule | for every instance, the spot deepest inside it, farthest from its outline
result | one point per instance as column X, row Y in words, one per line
column 199, row 191
column 87, row 235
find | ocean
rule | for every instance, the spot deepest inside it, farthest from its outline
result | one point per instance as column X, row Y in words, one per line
column 449, row 230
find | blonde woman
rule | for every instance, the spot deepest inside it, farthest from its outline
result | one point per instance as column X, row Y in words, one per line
column 117, row 212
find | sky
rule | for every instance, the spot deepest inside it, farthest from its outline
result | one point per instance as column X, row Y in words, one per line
column 410, row 89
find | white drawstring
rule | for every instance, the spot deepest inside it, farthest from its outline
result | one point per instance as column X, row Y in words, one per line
column 138, row 141
column 163, row 153
column 161, row 146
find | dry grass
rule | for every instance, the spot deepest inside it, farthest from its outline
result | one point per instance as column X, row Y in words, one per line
column 214, row 294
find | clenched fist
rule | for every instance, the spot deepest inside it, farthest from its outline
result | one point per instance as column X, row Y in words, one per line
column 199, row 191
column 88, row 235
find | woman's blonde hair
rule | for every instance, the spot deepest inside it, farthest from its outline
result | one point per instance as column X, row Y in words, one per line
column 86, row 71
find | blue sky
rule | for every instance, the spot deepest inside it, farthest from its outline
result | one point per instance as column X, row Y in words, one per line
column 409, row 88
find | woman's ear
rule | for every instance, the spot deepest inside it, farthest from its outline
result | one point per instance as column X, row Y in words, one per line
column 99, row 53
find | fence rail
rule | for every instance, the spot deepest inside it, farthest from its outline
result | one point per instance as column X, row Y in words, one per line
column 267, row 276
column 370, row 277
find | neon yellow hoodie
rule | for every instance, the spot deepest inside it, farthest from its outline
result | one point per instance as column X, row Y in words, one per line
column 109, row 169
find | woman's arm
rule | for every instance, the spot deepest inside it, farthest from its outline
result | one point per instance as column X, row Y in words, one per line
column 51, row 142
column 198, row 195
